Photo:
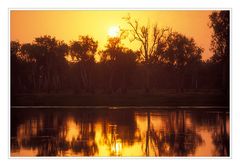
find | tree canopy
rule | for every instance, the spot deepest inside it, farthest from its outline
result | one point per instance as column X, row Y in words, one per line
column 165, row 60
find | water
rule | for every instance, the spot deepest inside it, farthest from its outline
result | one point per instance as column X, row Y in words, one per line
column 119, row 132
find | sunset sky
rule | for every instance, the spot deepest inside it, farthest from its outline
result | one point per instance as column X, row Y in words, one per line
column 68, row 25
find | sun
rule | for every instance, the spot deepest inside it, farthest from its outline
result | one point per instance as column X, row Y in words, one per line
column 113, row 31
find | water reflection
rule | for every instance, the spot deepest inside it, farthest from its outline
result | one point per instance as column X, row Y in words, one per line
column 132, row 132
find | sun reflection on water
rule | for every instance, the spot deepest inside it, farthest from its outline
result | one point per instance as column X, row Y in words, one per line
column 72, row 130
column 139, row 134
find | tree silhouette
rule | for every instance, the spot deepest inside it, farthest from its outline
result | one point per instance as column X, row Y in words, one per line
column 45, row 59
column 180, row 53
column 149, row 38
column 165, row 60
column 83, row 52
column 219, row 22
column 15, row 62
column 120, row 63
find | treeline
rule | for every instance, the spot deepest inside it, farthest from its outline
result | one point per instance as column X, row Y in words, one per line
column 166, row 60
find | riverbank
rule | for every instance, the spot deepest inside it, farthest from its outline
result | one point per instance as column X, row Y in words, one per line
column 157, row 99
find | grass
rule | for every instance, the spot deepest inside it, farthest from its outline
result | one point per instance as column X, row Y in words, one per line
column 204, row 98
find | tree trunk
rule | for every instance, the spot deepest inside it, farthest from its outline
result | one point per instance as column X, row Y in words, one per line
column 147, row 79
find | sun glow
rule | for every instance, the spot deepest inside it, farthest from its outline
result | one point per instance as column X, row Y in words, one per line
column 113, row 31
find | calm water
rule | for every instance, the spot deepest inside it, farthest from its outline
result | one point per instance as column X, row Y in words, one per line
column 119, row 132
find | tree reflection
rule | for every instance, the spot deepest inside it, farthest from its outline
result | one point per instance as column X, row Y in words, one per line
column 118, row 131
column 114, row 132
column 174, row 140
column 50, row 139
column 216, row 123
column 221, row 136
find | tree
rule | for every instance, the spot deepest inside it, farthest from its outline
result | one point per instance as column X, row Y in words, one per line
column 50, row 56
column 181, row 53
column 119, row 62
column 15, row 65
column 45, row 59
column 219, row 22
column 83, row 52
column 148, row 38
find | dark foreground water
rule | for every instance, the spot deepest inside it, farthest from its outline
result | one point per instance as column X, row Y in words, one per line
column 119, row 132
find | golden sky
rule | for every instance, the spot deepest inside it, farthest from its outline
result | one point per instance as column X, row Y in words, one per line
column 68, row 25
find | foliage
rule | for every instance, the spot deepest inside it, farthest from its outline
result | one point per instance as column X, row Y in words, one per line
column 220, row 37
column 165, row 60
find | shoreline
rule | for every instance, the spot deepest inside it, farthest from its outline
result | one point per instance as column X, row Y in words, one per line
column 122, row 100
column 119, row 107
